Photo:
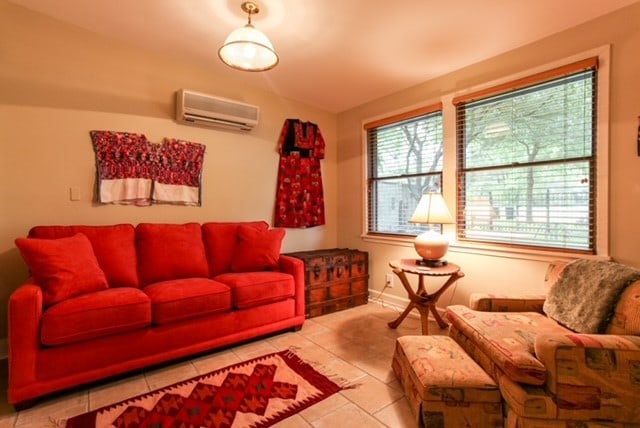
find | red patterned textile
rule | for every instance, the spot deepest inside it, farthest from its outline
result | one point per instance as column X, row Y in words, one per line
column 299, row 196
column 257, row 393
column 125, row 167
column 131, row 170
column 179, row 172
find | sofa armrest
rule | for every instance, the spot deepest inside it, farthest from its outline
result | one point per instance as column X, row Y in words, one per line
column 503, row 303
column 594, row 375
column 295, row 267
column 24, row 315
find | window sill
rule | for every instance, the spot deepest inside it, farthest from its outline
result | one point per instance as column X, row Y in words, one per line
column 487, row 250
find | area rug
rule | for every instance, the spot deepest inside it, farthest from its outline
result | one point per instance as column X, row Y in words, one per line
column 255, row 393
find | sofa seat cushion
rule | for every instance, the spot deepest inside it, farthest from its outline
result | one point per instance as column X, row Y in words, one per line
column 507, row 338
column 170, row 251
column 114, row 247
column 249, row 289
column 182, row 299
column 93, row 315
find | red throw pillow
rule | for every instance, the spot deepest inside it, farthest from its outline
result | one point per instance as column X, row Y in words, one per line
column 64, row 267
column 257, row 249
column 220, row 241
column 113, row 245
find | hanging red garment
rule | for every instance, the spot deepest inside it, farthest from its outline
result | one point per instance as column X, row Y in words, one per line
column 299, row 197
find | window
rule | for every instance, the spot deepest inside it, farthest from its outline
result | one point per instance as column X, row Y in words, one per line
column 527, row 161
column 404, row 161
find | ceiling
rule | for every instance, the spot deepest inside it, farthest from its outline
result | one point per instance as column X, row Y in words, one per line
column 334, row 54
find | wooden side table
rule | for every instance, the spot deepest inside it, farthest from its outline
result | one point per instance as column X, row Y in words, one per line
column 419, row 298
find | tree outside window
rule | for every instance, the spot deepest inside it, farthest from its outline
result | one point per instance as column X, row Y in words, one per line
column 404, row 162
column 526, row 164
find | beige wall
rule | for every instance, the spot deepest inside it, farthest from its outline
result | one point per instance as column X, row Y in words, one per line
column 502, row 272
column 58, row 82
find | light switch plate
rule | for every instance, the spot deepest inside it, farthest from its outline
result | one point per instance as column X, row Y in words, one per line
column 74, row 193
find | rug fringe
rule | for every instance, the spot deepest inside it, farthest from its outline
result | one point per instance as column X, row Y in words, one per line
column 57, row 423
column 342, row 382
column 291, row 352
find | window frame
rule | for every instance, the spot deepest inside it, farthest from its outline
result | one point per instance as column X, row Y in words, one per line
column 449, row 172
column 542, row 81
column 398, row 118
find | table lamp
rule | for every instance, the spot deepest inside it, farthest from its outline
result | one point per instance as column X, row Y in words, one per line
column 431, row 245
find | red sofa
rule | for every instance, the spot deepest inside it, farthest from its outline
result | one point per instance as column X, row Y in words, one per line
column 105, row 300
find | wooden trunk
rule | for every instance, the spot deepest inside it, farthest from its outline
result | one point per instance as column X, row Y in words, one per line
column 335, row 279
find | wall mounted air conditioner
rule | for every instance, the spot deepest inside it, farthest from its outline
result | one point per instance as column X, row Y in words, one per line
column 194, row 108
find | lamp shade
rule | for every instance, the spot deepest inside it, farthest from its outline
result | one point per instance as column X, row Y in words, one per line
column 248, row 49
column 431, row 209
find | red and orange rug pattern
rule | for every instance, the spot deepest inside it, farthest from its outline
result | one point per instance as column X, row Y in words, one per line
column 255, row 393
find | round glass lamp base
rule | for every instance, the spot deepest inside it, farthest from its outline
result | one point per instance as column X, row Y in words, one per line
column 432, row 247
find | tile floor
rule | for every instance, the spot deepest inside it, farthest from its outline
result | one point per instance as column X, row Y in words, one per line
column 355, row 344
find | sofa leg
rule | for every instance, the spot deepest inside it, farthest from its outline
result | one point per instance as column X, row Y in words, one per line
column 23, row 405
column 296, row 328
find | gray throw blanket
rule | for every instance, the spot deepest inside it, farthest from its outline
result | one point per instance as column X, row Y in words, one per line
column 585, row 296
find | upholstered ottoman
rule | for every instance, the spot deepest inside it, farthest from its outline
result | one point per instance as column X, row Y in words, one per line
column 444, row 386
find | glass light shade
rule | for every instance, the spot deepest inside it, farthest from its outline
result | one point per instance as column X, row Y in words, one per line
column 248, row 49
column 431, row 245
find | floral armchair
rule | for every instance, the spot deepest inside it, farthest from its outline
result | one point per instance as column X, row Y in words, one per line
column 565, row 359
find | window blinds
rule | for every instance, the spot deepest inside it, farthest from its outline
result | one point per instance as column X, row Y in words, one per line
column 527, row 158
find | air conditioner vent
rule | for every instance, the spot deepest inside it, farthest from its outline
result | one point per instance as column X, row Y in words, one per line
column 207, row 110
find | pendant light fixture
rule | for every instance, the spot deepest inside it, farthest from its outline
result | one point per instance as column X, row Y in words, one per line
column 246, row 48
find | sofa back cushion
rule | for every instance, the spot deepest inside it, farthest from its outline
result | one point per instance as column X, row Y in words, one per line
column 554, row 270
column 626, row 316
column 585, row 296
column 221, row 241
column 63, row 268
column 113, row 246
column 170, row 251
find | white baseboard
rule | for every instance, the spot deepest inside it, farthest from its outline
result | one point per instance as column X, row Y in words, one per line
column 395, row 302
column 389, row 301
